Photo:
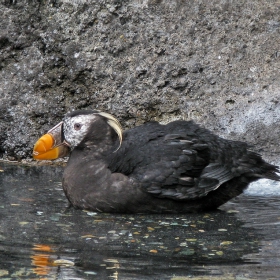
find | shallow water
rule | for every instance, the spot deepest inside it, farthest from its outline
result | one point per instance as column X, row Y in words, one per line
column 42, row 238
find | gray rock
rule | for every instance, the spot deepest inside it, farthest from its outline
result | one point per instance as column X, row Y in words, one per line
column 216, row 62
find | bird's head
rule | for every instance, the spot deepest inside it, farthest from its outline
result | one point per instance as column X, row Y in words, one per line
column 79, row 129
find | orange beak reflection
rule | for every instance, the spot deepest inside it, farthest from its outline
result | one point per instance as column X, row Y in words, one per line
column 49, row 146
column 44, row 259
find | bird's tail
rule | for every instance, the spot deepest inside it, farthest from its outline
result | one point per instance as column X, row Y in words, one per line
column 261, row 168
column 272, row 173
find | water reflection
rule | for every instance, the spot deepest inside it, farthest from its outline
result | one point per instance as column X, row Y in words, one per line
column 42, row 238
column 42, row 262
column 46, row 262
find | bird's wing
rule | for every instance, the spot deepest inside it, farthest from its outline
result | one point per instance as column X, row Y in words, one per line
column 174, row 165
column 181, row 171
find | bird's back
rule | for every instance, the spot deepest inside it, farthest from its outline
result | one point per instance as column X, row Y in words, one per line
column 183, row 161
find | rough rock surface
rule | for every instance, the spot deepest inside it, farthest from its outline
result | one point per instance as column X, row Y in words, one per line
column 216, row 62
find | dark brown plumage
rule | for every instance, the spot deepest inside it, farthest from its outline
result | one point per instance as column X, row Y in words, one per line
column 173, row 168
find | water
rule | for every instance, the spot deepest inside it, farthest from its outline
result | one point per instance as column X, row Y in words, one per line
column 264, row 187
column 41, row 237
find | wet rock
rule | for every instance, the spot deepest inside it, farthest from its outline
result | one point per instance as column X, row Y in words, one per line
column 214, row 62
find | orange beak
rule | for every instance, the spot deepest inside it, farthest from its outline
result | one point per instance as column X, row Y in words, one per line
column 50, row 146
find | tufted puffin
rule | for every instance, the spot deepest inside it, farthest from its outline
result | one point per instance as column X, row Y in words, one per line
column 179, row 167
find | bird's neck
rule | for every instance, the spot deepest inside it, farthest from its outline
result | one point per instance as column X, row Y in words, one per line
column 95, row 147
column 93, row 150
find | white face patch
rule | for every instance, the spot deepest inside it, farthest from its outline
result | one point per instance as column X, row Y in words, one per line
column 76, row 128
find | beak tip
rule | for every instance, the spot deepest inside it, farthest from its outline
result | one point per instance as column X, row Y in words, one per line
column 42, row 146
column 45, row 149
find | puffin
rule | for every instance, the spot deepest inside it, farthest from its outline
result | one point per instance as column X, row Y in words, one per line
column 179, row 167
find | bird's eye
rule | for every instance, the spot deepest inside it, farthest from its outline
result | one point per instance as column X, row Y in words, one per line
column 77, row 126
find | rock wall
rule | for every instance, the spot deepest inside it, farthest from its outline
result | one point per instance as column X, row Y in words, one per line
column 216, row 62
